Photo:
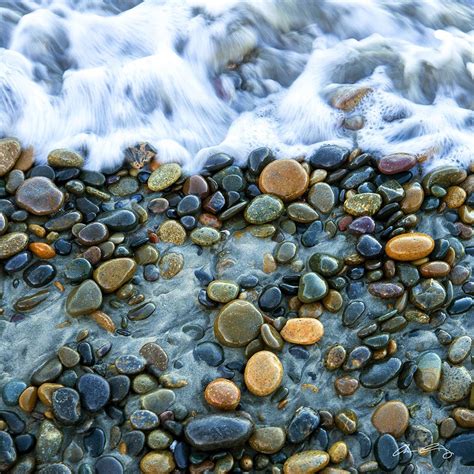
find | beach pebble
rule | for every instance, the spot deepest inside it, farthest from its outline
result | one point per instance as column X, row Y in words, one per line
column 306, row 462
column 144, row 420
column 459, row 349
column 263, row 208
column 268, row 439
column 157, row 462
column 164, row 176
column 158, row 401
column 222, row 291
column 378, row 375
column 303, row 423
column 321, row 197
column 364, row 204
column 171, row 264
column 464, row 417
column 39, row 196
column 94, row 391
column 112, row 274
column 396, row 163
column 11, row 244
column 304, row 331
column 428, row 295
column 428, row 374
column 263, row 373
column 455, row 383
column 222, row 394
column 205, row 236
column 386, row 452
column 66, row 405
column 312, row 287
column 411, row 246
column 329, row 157
column 10, row 150
column 462, row 446
column 84, row 299
column 49, row 440
column 391, row 417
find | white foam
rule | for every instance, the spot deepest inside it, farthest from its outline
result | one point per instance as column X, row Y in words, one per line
column 194, row 78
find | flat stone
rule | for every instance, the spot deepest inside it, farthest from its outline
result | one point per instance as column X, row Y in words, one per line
column 391, row 417
column 378, row 375
column 396, row 163
column 301, row 212
column 329, row 157
column 10, row 150
column 364, row 204
column 304, row 331
column 155, row 355
column 263, row 208
column 108, row 465
column 209, row 352
column 386, row 290
column 217, row 432
column 119, row 220
column 312, row 287
column 268, row 439
column 428, row 295
column 444, row 176
column 94, row 391
column 129, row 364
column 263, row 373
column 428, row 374
column 369, row 247
column 325, row 265
column 237, row 323
column 362, row 225
column 335, row 357
column 93, row 234
column 223, row 291
column 84, row 299
column 411, row 246
column 158, row 401
column 48, row 443
column 144, row 420
column 205, row 236
column 286, row 179
column 63, row 222
column 462, row 446
column 464, row 417
column 306, row 462
column 61, row 158
column 358, row 358
column 163, row 177
column 12, row 390
column 386, row 452
column 321, row 197
column 346, row 385
column 222, row 394
column 126, row 186
column 455, row 383
column 172, row 232
column 12, row 243
column 8, row 455
column 157, row 462
column 112, row 274
column 39, row 196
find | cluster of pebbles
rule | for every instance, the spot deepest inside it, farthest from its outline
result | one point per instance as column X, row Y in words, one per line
column 380, row 318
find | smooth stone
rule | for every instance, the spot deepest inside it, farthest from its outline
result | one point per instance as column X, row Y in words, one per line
column 144, row 420
column 386, row 290
column 10, row 150
column 428, row 295
column 222, row 291
column 444, row 176
column 112, row 274
column 357, row 358
column 159, row 439
column 120, row 220
column 3, row 223
column 11, row 392
column 459, row 349
column 304, row 422
column 285, row 252
column 163, row 177
column 126, row 186
column 94, row 442
column 63, row 222
column 335, row 357
column 369, row 247
column 93, row 234
column 263, row 208
column 39, row 274
column 237, row 323
column 378, row 375
column 462, row 446
column 217, row 432
column 68, row 356
column 352, row 313
column 386, row 452
column 325, row 265
column 364, row 204
column 49, row 440
column 408, row 274
column 357, row 177
column 158, row 401
column 346, row 385
column 222, row 394
column 268, row 439
column 39, row 196
column 66, row 405
column 129, row 364
column 391, row 191
column 62, row 158
column 171, row 264
column 119, row 387
column 301, row 212
column 464, row 417
column 396, row 163
column 304, row 331
column 84, row 299
column 263, row 373
column 391, row 417
column 329, row 157
column 455, row 383
column 312, row 287
column 154, row 355
column 321, row 197
column 11, row 244
column 157, row 462
column 286, row 179
column 209, row 352
column 411, row 246
column 270, row 298
column 205, row 236
column 94, row 391
column 428, row 374
column 108, row 465
column 362, row 225
column 461, row 305
column 78, row 270
column 306, row 462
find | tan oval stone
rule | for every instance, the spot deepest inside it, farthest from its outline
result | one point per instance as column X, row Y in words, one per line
column 62, row 158
column 338, row 452
column 172, row 232
column 302, row 331
column 455, row 197
column 268, row 440
column 407, row 247
column 10, row 150
column 414, row 196
column 391, row 417
column 164, row 176
column 111, row 275
column 286, row 179
column 346, row 385
column 27, row 400
column 171, row 264
column 263, row 373
column 222, row 394
column 464, row 417
column 11, row 244
column 157, row 462
column 435, row 269
column 306, row 462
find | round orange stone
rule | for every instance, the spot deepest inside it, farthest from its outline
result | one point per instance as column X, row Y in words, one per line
column 286, row 179
column 391, row 417
column 42, row 250
column 263, row 373
column 408, row 247
column 222, row 394
column 303, row 331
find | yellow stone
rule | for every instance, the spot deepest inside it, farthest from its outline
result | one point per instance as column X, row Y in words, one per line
column 408, row 247
column 304, row 331
column 306, row 462
column 263, row 373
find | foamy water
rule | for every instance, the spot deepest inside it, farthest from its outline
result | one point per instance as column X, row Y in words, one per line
column 193, row 78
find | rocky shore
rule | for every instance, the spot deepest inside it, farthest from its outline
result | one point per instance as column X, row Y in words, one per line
column 287, row 316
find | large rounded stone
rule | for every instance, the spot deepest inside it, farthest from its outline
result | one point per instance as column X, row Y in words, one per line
column 396, row 163
column 306, row 462
column 263, row 373
column 411, row 246
column 312, row 288
column 40, row 196
column 164, row 176
column 428, row 295
column 62, row 158
column 391, row 417
column 10, row 150
column 84, row 299
column 268, row 440
column 264, row 208
column 304, row 331
column 13, row 243
column 111, row 275
column 455, row 383
column 329, row 157
column 364, row 204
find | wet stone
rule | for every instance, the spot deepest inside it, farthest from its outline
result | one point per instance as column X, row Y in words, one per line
column 379, row 374
column 391, row 417
column 264, row 208
column 312, row 287
column 396, row 163
column 11, row 244
column 144, row 420
column 325, row 265
column 120, row 220
column 66, row 405
column 305, row 421
column 408, row 274
column 461, row 305
column 93, row 234
column 335, row 357
column 459, row 349
column 322, row 198
column 462, row 445
column 329, row 157
column 304, row 331
column 386, row 290
column 62, row 158
column 301, row 212
column 386, row 452
column 108, row 465
column 357, row 177
column 222, row 291
column 126, row 186
column 154, row 355
column 428, row 373
column 362, row 225
column 217, row 432
column 444, row 176
column 357, row 358
column 369, row 247
column 11, row 391
column 352, row 313
column 464, row 417
column 391, row 191
column 205, row 236
column 455, row 383
column 10, row 150
column 222, row 394
column 346, row 420
column 306, row 462
column 84, row 299
column 49, row 442
column 263, row 373
column 47, row 372
column 163, row 177
column 428, row 295
column 39, row 196
column 111, row 275
column 209, row 352
column 270, row 298
column 285, row 252
column 237, row 324
column 365, row 204
column 157, row 462
column 268, row 439
column 411, row 246
column 94, row 391
column 171, row 264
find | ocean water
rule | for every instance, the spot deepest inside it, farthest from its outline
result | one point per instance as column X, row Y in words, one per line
column 197, row 77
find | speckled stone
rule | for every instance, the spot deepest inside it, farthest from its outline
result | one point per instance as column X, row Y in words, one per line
column 391, row 417
column 205, row 236
column 306, row 462
column 171, row 264
column 157, row 462
column 455, row 383
column 222, row 394
column 321, row 197
column 39, row 196
column 301, row 212
column 10, row 150
column 459, row 349
column 172, row 232
column 222, row 291
column 62, row 158
column 268, row 439
column 263, row 208
column 304, row 331
column 364, row 204
column 428, row 294
column 163, row 177
column 263, row 373
column 12, row 243
column 112, row 274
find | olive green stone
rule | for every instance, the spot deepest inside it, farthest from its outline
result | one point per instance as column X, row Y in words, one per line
column 48, row 443
column 62, row 158
column 10, row 150
column 428, row 373
column 11, row 244
column 112, row 274
column 312, row 288
column 459, row 349
column 264, row 208
column 417, row 316
column 159, row 439
column 223, row 291
column 144, row 383
column 438, row 191
column 146, row 254
column 268, row 440
column 271, row 337
column 164, row 176
column 321, row 197
column 324, row 264
column 444, row 176
column 205, row 236
column 455, row 383
column 364, row 204
column 285, row 252
column 84, row 299
column 262, row 231
column 158, row 401
column 28, row 302
column 126, row 186
column 237, row 323
column 302, row 212
column 391, row 191
column 171, row 264
column 428, row 294
column 68, row 356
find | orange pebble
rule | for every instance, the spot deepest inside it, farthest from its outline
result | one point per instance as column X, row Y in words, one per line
column 42, row 250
